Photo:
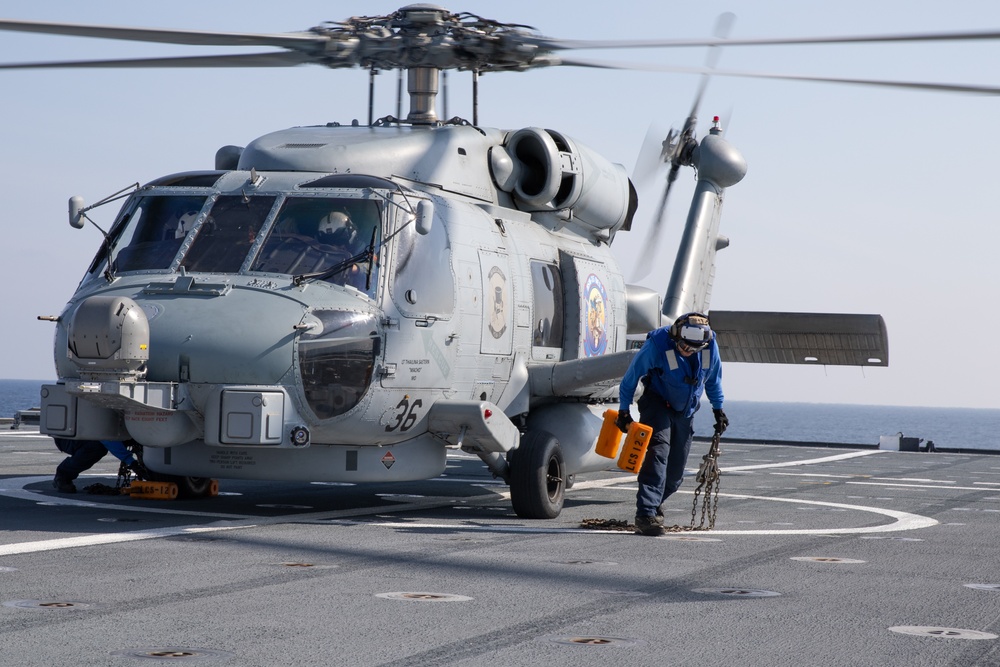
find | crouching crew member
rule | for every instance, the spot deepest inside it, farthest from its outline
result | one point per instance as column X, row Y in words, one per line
column 676, row 365
column 84, row 454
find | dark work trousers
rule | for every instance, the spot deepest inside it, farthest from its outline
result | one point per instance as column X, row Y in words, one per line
column 83, row 454
column 666, row 456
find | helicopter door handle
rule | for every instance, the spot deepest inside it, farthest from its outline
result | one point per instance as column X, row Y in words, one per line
column 426, row 322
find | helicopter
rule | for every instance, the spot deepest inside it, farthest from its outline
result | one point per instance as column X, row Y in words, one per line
column 472, row 301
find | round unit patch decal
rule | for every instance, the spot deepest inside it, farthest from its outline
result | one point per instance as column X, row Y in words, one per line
column 497, row 300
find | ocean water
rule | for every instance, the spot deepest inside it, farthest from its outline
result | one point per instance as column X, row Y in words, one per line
column 19, row 395
column 956, row 428
column 807, row 422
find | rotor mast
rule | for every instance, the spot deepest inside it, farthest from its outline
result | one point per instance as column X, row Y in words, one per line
column 422, row 86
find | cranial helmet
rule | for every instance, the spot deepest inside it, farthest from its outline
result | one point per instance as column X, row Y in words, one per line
column 185, row 223
column 693, row 330
column 336, row 228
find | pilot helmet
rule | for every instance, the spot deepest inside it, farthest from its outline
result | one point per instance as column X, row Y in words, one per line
column 692, row 331
column 336, row 228
column 184, row 224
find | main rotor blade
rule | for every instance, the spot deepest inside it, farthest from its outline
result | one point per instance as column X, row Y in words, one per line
column 566, row 44
column 274, row 59
column 167, row 36
column 883, row 83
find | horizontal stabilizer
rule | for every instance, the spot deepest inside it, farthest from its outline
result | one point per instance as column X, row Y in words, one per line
column 827, row 339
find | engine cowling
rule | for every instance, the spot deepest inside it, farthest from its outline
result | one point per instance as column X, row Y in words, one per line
column 544, row 170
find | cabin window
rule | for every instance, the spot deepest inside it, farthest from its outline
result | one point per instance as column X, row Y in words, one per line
column 315, row 234
column 424, row 284
column 548, row 305
column 150, row 237
column 224, row 238
column 337, row 360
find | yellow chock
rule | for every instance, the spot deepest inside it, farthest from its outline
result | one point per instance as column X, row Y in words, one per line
column 634, row 451
column 611, row 436
column 153, row 490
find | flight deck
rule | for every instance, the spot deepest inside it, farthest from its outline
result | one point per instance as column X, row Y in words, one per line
column 819, row 556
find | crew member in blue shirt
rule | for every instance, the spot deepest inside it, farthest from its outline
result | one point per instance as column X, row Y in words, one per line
column 676, row 364
column 84, row 454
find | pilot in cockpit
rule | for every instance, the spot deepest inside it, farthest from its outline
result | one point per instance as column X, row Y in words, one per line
column 338, row 230
column 184, row 224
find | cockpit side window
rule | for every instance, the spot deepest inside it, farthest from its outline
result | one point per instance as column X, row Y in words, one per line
column 314, row 234
column 154, row 232
column 225, row 237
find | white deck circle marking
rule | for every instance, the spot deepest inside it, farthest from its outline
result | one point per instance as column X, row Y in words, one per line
column 14, row 488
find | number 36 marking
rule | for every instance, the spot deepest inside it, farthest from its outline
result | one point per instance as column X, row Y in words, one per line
column 407, row 415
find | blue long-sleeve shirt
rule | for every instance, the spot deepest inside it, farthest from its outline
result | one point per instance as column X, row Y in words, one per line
column 117, row 447
column 678, row 379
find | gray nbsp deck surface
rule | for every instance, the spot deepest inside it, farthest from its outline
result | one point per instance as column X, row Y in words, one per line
column 819, row 557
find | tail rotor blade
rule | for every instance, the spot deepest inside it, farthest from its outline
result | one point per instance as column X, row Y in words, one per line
column 679, row 153
column 723, row 26
column 651, row 156
column 649, row 249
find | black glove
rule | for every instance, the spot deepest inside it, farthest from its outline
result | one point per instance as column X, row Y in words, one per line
column 139, row 470
column 721, row 421
column 624, row 420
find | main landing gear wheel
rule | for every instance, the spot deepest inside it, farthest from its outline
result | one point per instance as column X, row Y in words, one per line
column 537, row 476
column 194, row 487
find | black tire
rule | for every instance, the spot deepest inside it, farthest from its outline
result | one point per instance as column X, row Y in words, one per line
column 537, row 476
column 193, row 487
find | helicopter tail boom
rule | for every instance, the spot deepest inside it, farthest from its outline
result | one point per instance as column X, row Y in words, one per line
column 720, row 166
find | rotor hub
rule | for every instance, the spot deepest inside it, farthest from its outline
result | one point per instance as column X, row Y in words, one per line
column 427, row 35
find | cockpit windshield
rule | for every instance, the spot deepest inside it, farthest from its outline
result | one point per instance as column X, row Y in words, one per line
column 305, row 236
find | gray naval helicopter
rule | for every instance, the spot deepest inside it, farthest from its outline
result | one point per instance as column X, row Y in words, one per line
column 349, row 303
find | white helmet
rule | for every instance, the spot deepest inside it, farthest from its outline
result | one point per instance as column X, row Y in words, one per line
column 185, row 223
column 336, row 228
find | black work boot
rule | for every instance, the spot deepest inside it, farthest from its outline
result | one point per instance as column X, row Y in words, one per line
column 659, row 515
column 63, row 485
column 647, row 525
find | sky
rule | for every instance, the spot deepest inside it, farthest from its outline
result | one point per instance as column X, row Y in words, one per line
column 856, row 199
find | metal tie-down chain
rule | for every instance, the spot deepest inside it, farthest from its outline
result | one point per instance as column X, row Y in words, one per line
column 708, row 481
column 124, row 477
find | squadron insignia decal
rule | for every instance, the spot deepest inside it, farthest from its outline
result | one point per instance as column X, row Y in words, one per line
column 595, row 301
column 497, row 298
